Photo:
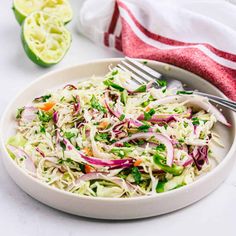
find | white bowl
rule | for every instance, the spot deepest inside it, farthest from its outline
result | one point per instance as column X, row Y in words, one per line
column 109, row 208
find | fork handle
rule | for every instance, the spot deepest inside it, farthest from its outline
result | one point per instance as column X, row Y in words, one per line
column 218, row 100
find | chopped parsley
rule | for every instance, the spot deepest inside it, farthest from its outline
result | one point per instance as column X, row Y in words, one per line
column 122, row 151
column 43, row 98
column 63, row 146
column 181, row 140
column 165, row 126
column 122, row 117
column 109, row 83
column 141, row 89
column 42, row 129
column 195, row 121
column 161, row 82
column 43, row 116
column 69, row 135
column 19, row 112
column 161, row 147
column 185, row 124
column 144, row 104
column 101, row 137
column 126, row 144
column 136, row 174
column 144, row 128
column 124, row 97
column 148, row 115
column 96, row 105
column 114, row 72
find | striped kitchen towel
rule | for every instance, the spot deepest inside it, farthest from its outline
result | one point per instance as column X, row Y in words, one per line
column 199, row 36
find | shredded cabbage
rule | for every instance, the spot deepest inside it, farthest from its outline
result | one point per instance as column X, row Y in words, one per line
column 66, row 133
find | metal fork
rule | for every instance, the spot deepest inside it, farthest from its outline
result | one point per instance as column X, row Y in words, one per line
column 142, row 74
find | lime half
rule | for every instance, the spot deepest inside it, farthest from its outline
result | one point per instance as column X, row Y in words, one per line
column 45, row 38
column 61, row 8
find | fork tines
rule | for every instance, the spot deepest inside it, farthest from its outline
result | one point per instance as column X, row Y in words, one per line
column 139, row 72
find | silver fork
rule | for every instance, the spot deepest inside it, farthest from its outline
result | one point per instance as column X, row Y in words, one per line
column 142, row 74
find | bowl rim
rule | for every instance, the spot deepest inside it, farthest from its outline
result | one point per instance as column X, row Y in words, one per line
column 110, row 199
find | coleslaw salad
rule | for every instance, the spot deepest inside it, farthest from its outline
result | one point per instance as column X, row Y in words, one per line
column 103, row 138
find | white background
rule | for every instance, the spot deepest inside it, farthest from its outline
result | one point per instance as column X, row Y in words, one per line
column 22, row 215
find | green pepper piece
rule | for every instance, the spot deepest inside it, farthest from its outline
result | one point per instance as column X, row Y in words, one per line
column 160, row 188
column 174, row 169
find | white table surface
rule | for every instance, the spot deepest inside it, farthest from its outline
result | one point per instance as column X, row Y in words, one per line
column 22, row 215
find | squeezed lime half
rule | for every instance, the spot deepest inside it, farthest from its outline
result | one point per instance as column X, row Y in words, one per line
column 45, row 38
column 61, row 8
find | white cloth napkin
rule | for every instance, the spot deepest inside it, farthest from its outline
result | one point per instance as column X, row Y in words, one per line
column 199, row 36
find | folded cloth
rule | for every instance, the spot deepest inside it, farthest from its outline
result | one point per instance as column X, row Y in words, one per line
column 199, row 36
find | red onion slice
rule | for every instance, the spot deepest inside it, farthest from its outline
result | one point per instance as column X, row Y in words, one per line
column 70, row 87
column 104, row 176
column 115, row 113
column 160, row 118
column 40, row 152
column 137, row 123
column 29, row 114
column 194, row 100
column 19, row 153
column 55, row 117
column 77, row 106
column 94, row 160
column 161, row 138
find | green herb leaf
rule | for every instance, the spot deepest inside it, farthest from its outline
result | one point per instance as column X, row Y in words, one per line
column 62, row 99
column 122, row 117
column 185, row 124
column 42, row 129
column 127, row 144
column 109, row 83
column 124, row 97
column 43, row 98
column 136, row 174
column 145, row 62
column 101, row 137
column 121, row 151
column 164, row 90
column 43, row 116
column 161, row 82
column 96, row 105
column 114, row 72
column 148, row 115
column 144, row 128
column 141, row 89
column 195, row 121
column 181, row 140
column 82, row 167
column 161, row 147
column 144, row 104
column 19, row 112
column 63, row 146
column 69, row 135
column 165, row 126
